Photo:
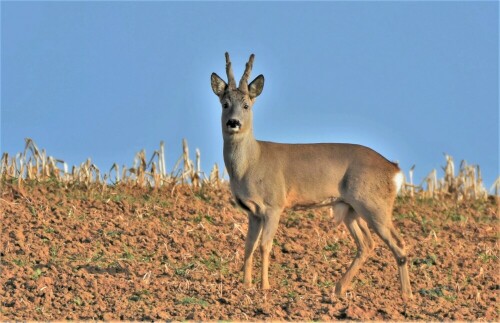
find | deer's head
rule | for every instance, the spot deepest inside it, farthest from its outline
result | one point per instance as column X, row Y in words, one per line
column 237, row 102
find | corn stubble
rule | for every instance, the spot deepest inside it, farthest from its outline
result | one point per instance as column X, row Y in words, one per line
column 34, row 164
column 466, row 185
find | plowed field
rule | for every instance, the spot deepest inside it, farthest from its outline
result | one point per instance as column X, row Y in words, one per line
column 176, row 254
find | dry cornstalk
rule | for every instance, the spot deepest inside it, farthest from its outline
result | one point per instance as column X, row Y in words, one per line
column 35, row 164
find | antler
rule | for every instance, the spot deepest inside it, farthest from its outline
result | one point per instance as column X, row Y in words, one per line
column 244, row 79
column 229, row 72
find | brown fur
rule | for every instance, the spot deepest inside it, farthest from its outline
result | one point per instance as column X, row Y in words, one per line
column 267, row 177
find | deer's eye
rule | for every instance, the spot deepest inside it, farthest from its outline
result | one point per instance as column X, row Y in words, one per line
column 225, row 105
column 245, row 107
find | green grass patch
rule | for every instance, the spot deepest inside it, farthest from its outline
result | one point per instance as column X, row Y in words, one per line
column 292, row 219
column 430, row 260
column 78, row 301
column 32, row 210
column 183, row 270
column 139, row 295
column 193, row 301
column 128, row 255
column 455, row 217
column 53, row 251
column 445, row 292
column 326, row 284
column 410, row 215
column 97, row 257
column 202, row 195
column 38, row 272
column 114, row 233
column 215, row 263
column 426, row 201
column 487, row 257
column 292, row 295
column 19, row 262
column 332, row 247
column 147, row 257
column 427, row 225
column 200, row 217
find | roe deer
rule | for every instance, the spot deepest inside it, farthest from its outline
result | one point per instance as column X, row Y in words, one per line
column 267, row 177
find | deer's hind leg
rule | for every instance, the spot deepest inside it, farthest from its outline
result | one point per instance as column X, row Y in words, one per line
column 393, row 240
column 370, row 244
column 380, row 220
column 362, row 237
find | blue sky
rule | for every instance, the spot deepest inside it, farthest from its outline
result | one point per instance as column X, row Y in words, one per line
column 413, row 80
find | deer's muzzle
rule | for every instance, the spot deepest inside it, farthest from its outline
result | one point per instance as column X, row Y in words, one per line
column 233, row 124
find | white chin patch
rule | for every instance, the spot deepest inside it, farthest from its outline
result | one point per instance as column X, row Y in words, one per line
column 233, row 130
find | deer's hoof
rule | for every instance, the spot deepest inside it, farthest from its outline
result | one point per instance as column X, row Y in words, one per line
column 339, row 290
column 407, row 296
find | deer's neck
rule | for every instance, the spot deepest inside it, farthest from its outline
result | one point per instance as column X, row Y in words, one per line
column 240, row 154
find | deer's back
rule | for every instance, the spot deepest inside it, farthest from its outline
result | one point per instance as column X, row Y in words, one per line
column 316, row 172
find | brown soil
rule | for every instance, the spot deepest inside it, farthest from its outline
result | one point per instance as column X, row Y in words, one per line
column 176, row 254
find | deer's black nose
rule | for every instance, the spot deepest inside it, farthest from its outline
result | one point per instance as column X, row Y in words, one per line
column 233, row 123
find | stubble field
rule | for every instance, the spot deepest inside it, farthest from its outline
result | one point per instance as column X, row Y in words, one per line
column 176, row 254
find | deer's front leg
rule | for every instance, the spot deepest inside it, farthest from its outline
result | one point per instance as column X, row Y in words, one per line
column 254, row 230
column 269, row 227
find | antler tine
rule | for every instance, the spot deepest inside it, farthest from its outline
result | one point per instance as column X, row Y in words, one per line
column 229, row 72
column 248, row 69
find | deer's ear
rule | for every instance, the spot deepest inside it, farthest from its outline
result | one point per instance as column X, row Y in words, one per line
column 218, row 84
column 255, row 88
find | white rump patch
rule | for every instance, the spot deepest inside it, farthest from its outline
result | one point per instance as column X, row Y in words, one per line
column 398, row 180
